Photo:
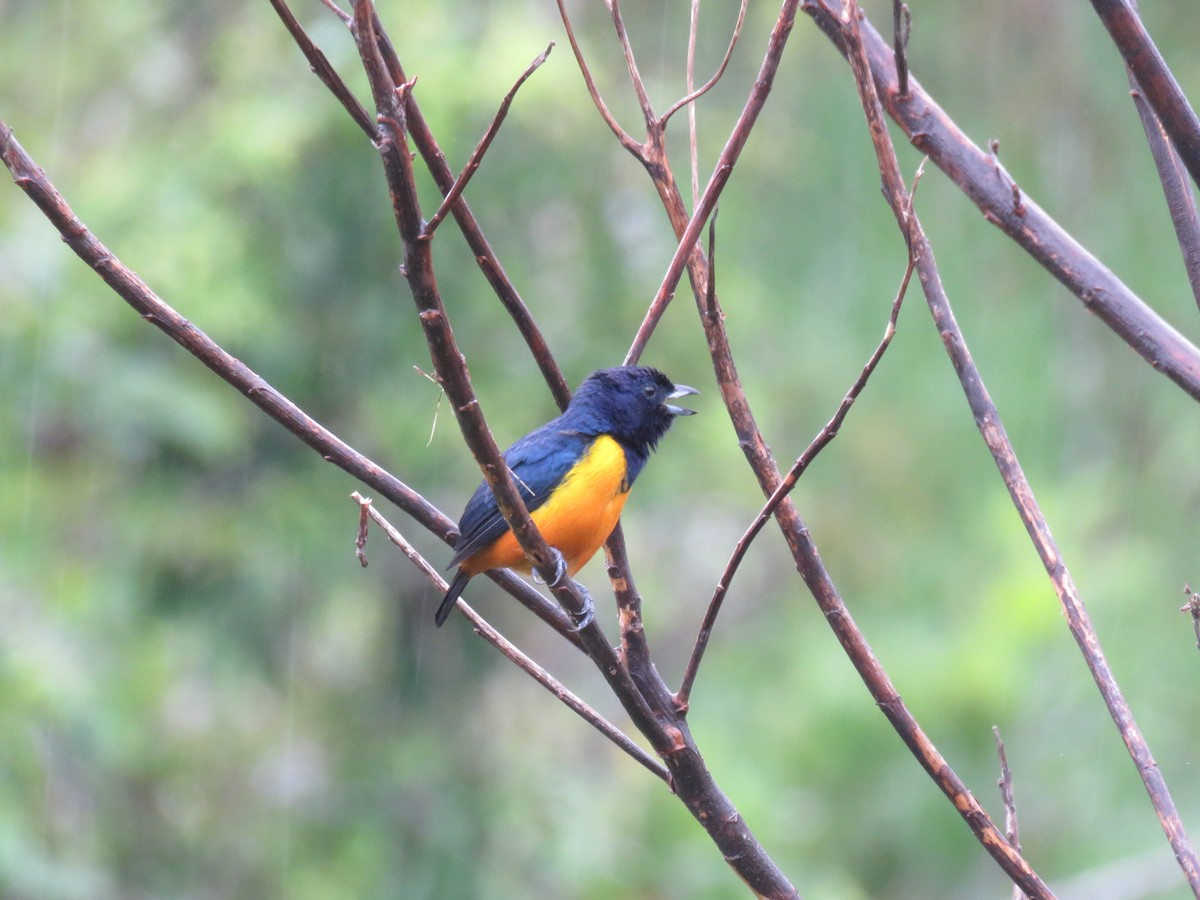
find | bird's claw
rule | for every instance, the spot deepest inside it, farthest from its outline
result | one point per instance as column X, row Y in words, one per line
column 587, row 614
column 560, row 571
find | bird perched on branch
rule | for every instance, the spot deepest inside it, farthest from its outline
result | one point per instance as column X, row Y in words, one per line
column 574, row 474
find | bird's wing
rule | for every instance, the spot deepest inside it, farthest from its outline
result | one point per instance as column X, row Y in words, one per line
column 539, row 462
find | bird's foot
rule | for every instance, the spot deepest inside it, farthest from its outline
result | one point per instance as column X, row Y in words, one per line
column 560, row 571
column 587, row 614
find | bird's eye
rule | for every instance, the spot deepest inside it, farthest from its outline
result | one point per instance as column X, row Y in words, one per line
column 649, row 390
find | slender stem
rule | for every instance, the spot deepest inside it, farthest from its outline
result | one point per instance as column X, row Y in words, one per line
column 695, row 94
column 991, row 428
column 1181, row 201
column 717, row 181
column 625, row 138
column 507, row 649
column 818, row 443
column 979, row 175
column 1166, row 98
column 1005, row 783
column 635, row 76
column 460, row 183
column 323, row 69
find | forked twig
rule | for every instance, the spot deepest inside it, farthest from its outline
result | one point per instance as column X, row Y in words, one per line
column 460, row 183
column 507, row 649
column 322, row 69
column 818, row 443
column 987, row 419
column 445, row 179
column 973, row 169
column 695, row 94
column 1181, row 200
column 626, row 139
column 1005, row 783
column 717, row 181
column 1166, row 98
column 635, row 76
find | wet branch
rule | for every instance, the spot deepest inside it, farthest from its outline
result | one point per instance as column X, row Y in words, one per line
column 1161, row 89
column 1177, row 189
column 981, row 177
column 506, row 648
column 668, row 734
column 991, row 428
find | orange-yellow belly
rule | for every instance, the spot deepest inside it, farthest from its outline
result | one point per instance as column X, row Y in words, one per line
column 578, row 517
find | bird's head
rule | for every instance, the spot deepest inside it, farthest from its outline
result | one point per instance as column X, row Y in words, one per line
column 632, row 403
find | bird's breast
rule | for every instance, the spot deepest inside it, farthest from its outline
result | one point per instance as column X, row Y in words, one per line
column 578, row 516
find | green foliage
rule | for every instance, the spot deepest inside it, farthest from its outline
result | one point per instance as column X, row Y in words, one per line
column 205, row 695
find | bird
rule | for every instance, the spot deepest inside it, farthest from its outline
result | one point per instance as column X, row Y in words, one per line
column 574, row 474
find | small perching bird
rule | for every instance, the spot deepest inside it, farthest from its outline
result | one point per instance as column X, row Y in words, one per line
column 574, row 474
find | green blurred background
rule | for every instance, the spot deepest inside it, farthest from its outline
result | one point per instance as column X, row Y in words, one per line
column 205, row 696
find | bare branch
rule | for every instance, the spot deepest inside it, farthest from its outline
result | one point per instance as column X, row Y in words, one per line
column 506, row 647
column 460, row 183
column 1161, row 89
column 322, row 69
column 622, row 135
column 1181, row 201
column 31, row 179
column 978, row 174
column 818, row 443
column 635, row 77
column 444, row 178
column 695, row 94
column 987, row 419
column 720, row 176
column 1010, row 805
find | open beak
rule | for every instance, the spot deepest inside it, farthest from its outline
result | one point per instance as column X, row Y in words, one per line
column 681, row 390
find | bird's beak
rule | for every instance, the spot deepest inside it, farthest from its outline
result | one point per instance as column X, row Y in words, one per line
column 681, row 390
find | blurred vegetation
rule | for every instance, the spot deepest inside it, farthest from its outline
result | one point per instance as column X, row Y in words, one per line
column 205, row 696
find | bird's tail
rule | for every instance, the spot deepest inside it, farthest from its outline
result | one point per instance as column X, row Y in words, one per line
column 452, row 594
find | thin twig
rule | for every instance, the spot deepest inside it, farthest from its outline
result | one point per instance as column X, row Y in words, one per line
column 322, row 68
column 693, row 143
column 338, row 11
column 445, row 179
column 818, row 443
column 975, row 172
column 987, row 419
column 1181, row 201
column 33, row 181
column 626, row 139
column 695, row 94
column 460, row 183
column 1161, row 89
column 901, row 30
column 1010, row 805
column 506, row 648
column 719, row 178
column 635, row 77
